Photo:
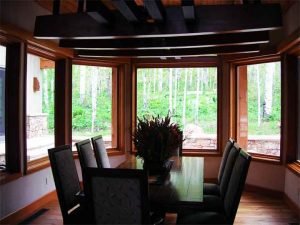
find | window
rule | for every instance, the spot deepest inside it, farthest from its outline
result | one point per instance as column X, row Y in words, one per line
column 188, row 94
column 93, row 104
column 259, row 108
column 39, row 106
column 2, row 106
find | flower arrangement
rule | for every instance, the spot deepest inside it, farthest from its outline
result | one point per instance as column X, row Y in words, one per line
column 155, row 139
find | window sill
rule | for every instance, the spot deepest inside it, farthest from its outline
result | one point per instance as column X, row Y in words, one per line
column 266, row 158
column 37, row 165
column 294, row 167
column 212, row 153
column 6, row 177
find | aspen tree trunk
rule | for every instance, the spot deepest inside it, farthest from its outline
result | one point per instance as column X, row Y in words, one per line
column 45, row 88
column 82, row 77
column 202, row 80
column 148, row 84
column 154, row 79
column 170, row 90
column 268, row 100
column 191, row 77
column 94, row 97
column 160, row 84
column 197, row 96
column 258, row 96
column 144, row 90
column 175, row 90
column 184, row 97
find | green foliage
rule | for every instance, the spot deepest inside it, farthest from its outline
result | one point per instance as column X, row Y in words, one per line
column 156, row 138
column 154, row 87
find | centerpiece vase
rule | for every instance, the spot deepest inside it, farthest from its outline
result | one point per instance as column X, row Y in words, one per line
column 157, row 167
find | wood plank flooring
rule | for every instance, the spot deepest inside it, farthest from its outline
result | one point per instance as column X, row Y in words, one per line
column 254, row 209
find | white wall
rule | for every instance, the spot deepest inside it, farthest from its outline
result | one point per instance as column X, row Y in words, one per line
column 292, row 187
column 19, row 193
column 2, row 56
column 264, row 175
column 34, row 105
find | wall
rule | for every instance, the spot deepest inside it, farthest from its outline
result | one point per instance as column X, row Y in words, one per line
column 19, row 193
column 34, row 106
column 260, row 174
column 292, row 187
column 2, row 56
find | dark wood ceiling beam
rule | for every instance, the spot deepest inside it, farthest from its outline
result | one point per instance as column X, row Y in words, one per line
column 99, row 12
column 126, row 9
column 188, row 9
column 80, row 7
column 170, row 42
column 169, row 52
column 56, row 7
column 210, row 19
column 155, row 9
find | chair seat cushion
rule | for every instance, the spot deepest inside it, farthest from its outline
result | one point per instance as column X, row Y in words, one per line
column 211, row 189
column 201, row 218
column 210, row 203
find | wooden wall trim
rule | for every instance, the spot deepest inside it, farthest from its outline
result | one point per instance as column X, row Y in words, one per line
column 291, row 204
column 289, row 107
column 262, row 190
column 15, row 107
column 63, row 102
column 22, row 214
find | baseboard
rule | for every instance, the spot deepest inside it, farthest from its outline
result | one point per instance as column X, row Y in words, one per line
column 265, row 191
column 291, row 205
column 210, row 180
column 28, row 210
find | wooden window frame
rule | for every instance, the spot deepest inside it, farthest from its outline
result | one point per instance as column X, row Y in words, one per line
column 118, row 130
column 183, row 63
column 238, row 64
column 42, row 162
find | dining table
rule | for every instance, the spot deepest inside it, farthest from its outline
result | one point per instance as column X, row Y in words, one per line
column 181, row 186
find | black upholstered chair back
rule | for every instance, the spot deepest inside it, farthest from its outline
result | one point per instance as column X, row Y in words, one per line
column 86, row 154
column 65, row 178
column 226, row 151
column 232, row 155
column 100, row 152
column 236, row 185
column 117, row 196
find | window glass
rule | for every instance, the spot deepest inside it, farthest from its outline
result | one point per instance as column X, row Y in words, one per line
column 2, row 106
column 260, row 108
column 39, row 106
column 188, row 94
column 92, row 98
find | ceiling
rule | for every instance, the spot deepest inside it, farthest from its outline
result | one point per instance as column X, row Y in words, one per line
column 160, row 28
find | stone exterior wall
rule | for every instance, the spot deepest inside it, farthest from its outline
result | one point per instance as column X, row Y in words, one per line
column 36, row 125
column 266, row 146
column 263, row 145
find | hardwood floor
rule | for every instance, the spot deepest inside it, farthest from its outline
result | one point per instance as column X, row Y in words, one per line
column 254, row 209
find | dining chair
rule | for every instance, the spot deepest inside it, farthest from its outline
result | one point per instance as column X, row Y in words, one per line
column 86, row 154
column 214, row 188
column 215, row 201
column 117, row 196
column 100, row 152
column 67, row 185
column 231, row 200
